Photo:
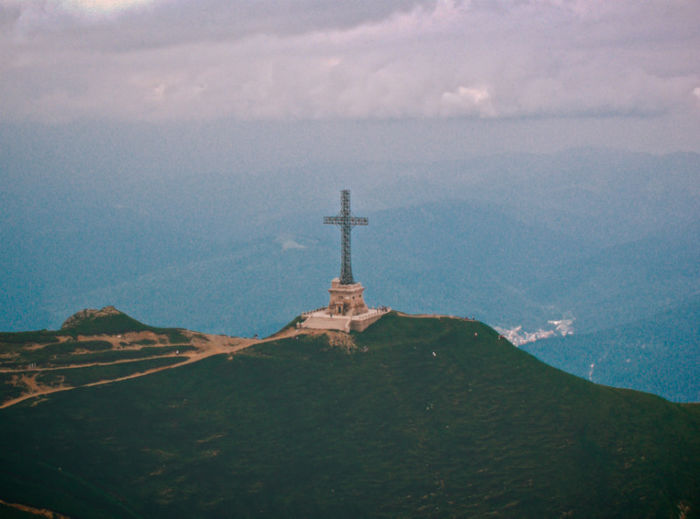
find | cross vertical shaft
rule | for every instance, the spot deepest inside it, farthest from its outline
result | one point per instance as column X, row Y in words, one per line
column 346, row 222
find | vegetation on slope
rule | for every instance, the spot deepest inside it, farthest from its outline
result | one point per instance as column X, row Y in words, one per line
column 84, row 348
column 107, row 323
column 111, row 321
column 422, row 418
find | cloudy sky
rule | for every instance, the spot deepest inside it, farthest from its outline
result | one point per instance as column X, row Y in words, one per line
column 621, row 73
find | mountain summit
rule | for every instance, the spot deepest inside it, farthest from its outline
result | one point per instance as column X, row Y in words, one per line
column 414, row 417
column 89, row 315
column 107, row 320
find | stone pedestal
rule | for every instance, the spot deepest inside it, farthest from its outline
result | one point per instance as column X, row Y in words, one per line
column 346, row 299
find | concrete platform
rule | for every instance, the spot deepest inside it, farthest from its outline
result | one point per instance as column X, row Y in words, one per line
column 325, row 322
column 322, row 320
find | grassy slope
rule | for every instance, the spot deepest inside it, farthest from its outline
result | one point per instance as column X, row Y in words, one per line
column 296, row 428
column 120, row 323
column 18, row 353
column 73, row 377
column 109, row 325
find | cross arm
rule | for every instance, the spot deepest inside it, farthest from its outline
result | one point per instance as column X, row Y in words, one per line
column 345, row 220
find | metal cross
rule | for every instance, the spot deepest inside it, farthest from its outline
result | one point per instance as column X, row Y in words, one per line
column 346, row 222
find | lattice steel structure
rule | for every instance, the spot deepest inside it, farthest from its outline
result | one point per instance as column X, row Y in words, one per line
column 346, row 222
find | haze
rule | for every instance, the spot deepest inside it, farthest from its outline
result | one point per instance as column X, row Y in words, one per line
column 141, row 138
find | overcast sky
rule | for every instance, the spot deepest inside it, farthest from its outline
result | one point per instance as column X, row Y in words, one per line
column 622, row 73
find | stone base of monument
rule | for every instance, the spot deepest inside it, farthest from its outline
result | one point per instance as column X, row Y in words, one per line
column 346, row 310
column 324, row 320
column 346, row 300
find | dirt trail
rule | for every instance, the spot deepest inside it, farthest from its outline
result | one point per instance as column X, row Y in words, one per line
column 93, row 364
column 207, row 346
column 41, row 512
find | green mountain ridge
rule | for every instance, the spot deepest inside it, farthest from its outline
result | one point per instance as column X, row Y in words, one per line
column 415, row 417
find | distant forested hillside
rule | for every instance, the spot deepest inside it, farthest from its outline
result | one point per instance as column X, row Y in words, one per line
column 599, row 237
column 659, row 354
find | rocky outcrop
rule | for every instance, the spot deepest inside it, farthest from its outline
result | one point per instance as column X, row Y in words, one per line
column 88, row 314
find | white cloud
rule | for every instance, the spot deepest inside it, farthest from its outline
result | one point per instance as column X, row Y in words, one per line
column 288, row 242
column 36, row 16
column 95, row 6
column 211, row 59
column 518, row 336
column 291, row 244
column 564, row 326
column 467, row 101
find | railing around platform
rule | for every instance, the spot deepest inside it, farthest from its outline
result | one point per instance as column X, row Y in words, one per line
column 371, row 312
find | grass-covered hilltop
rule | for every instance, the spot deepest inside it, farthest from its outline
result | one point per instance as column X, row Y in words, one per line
column 415, row 417
column 94, row 347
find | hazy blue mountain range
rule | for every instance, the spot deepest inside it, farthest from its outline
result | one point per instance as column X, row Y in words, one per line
column 659, row 354
column 598, row 237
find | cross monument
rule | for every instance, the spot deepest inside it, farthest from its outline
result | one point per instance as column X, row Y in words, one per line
column 346, row 294
column 346, row 222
